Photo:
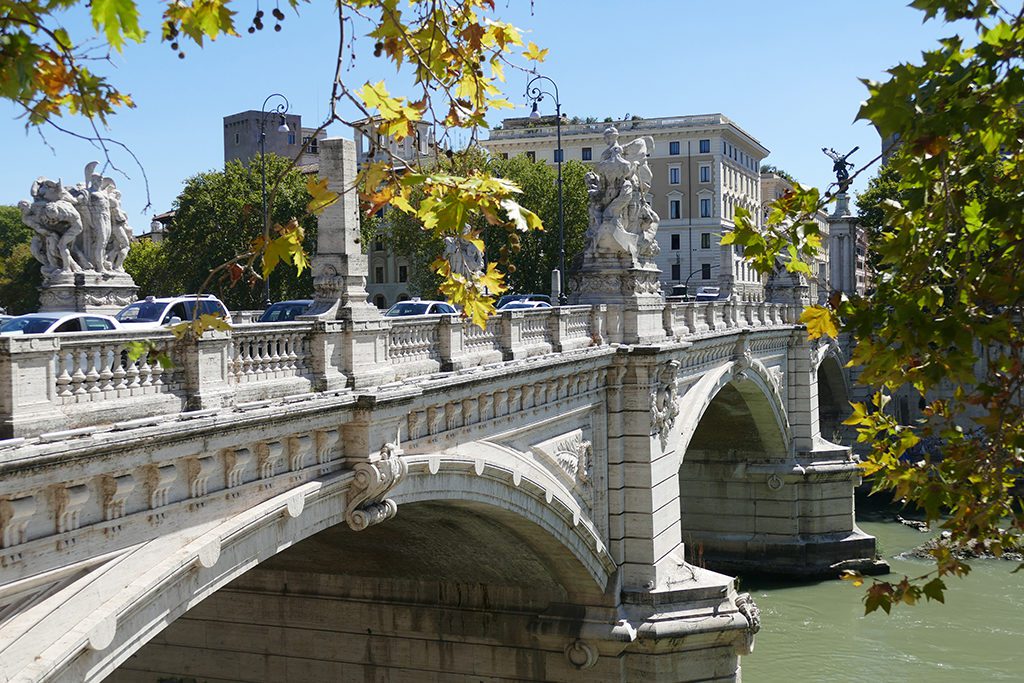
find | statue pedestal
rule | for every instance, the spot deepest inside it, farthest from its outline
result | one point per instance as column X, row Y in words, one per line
column 631, row 293
column 87, row 292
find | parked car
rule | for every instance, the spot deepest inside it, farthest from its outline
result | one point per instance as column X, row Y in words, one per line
column 506, row 299
column 59, row 323
column 154, row 313
column 418, row 307
column 283, row 311
column 707, row 293
column 520, row 305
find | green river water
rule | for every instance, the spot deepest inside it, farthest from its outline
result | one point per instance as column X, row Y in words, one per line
column 818, row 632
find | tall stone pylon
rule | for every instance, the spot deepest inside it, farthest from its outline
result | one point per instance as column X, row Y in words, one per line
column 349, row 344
column 339, row 265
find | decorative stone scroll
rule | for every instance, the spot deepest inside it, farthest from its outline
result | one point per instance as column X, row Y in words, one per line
column 367, row 504
column 749, row 609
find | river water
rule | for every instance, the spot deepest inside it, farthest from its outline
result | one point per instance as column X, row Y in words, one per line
column 818, row 632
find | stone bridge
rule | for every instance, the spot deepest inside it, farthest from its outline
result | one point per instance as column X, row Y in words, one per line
column 356, row 498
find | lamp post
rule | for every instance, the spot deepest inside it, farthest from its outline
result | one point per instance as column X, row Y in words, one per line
column 686, row 285
column 280, row 110
column 535, row 94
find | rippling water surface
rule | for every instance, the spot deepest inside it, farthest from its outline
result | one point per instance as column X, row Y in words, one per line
column 818, row 632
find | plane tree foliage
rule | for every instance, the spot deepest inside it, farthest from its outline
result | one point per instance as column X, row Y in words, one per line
column 945, row 316
column 457, row 52
column 219, row 214
column 527, row 258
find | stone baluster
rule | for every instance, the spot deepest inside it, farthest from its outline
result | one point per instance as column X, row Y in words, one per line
column 108, row 353
column 64, row 361
column 156, row 372
column 78, row 376
column 92, row 375
column 145, row 371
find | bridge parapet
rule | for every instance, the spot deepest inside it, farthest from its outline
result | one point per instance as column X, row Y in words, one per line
column 50, row 383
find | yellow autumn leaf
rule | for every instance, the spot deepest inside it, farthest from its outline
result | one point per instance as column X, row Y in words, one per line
column 820, row 321
column 321, row 197
column 534, row 53
column 208, row 321
column 853, row 577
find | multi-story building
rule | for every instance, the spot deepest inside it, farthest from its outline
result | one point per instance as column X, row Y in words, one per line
column 242, row 137
column 774, row 186
column 705, row 167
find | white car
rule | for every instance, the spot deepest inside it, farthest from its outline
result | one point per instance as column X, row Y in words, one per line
column 525, row 305
column 154, row 313
column 418, row 307
column 59, row 323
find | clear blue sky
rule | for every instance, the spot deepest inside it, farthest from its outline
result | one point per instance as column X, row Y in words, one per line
column 785, row 72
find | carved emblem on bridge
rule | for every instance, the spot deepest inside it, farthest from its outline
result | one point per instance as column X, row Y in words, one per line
column 367, row 504
column 574, row 454
column 663, row 402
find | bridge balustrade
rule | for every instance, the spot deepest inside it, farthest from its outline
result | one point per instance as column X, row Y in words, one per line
column 50, row 383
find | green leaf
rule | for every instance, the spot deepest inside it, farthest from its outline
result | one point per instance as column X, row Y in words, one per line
column 935, row 590
column 117, row 19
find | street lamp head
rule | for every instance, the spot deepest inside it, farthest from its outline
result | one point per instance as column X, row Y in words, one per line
column 535, row 114
column 283, row 128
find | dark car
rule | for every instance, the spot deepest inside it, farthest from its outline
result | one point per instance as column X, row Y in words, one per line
column 284, row 311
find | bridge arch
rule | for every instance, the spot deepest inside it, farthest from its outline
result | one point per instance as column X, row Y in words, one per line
column 734, row 434
column 467, row 512
column 833, row 394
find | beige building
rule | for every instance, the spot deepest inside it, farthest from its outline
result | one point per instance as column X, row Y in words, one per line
column 704, row 166
column 774, row 186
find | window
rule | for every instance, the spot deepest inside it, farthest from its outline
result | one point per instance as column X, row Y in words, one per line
column 97, row 324
column 403, row 273
column 212, row 307
column 705, row 174
column 504, row 155
column 378, row 244
column 588, row 154
column 673, row 175
column 380, row 301
column 705, row 207
column 704, row 146
column 532, row 156
column 705, row 240
column 236, row 138
column 673, row 147
column 673, row 209
column 378, row 274
column 557, row 156
column 705, row 271
column 69, row 326
column 675, row 270
column 675, row 241
column 310, row 144
column 291, row 138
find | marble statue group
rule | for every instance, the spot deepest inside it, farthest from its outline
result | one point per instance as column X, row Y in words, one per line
column 81, row 228
column 622, row 222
